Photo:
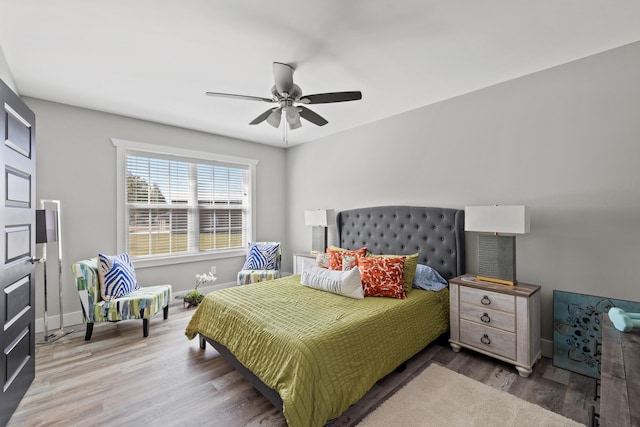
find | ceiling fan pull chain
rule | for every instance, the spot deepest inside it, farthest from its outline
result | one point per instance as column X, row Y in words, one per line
column 285, row 134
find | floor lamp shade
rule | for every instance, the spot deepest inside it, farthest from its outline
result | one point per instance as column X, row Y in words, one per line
column 46, row 226
column 496, row 252
column 319, row 219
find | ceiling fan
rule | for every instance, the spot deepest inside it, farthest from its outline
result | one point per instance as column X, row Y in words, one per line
column 287, row 94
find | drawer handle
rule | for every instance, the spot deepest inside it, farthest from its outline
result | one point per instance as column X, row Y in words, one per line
column 485, row 300
column 485, row 318
column 485, row 340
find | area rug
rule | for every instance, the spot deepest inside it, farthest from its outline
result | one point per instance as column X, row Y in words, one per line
column 441, row 397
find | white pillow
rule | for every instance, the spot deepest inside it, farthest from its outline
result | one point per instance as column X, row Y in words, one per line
column 346, row 283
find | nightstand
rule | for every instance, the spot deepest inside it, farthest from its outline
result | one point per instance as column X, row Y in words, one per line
column 500, row 321
column 299, row 258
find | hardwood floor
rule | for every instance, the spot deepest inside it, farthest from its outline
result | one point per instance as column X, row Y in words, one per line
column 120, row 378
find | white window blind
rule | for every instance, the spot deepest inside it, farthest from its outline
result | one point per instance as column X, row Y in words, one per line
column 179, row 206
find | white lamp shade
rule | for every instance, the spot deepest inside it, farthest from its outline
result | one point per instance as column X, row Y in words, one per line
column 319, row 217
column 497, row 219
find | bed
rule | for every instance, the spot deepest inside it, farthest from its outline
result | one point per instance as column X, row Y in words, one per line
column 315, row 353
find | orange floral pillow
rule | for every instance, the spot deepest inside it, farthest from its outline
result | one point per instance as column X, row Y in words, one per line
column 338, row 260
column 382, row 277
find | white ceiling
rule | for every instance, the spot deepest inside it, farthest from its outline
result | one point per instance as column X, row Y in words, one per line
column 154, row 59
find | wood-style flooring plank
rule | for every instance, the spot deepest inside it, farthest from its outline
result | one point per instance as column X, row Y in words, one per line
column 120, row 378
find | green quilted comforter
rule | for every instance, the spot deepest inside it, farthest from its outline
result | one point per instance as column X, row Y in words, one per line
column 322, row 352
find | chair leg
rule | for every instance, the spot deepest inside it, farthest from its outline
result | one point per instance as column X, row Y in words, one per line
column 145, row 327
column 87, row 335
column 166, row 312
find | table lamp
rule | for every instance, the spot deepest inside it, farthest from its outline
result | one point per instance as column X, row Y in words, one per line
column 496, row 251
column 319, row 219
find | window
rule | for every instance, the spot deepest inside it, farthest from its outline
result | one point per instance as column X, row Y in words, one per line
column 183, row 204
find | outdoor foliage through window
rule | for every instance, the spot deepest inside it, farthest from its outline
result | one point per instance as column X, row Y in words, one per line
column 184, row 207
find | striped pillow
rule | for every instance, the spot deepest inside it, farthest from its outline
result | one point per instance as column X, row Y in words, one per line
column 345, row 283
column 262, row 256
column 117, row 276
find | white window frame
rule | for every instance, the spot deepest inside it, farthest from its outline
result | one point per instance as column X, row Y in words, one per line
column 123, row 147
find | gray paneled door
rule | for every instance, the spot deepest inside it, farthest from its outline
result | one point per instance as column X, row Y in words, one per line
column 17, row 248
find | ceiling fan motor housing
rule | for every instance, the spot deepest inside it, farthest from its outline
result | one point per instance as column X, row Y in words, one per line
column 294, row 94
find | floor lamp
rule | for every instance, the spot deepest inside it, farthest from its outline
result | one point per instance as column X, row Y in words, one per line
column 48, row 231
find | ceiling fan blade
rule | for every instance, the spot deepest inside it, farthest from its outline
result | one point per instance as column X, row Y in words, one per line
column 232, row 95
column 324, row 98
column 313, row 117
column 283, row 77
column 262, row 117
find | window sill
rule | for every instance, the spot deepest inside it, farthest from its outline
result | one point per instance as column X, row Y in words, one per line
column 183, row 259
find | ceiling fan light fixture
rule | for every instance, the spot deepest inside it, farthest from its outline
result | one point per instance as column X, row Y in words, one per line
column 293, row 117
column 295, row 125
column 275, row 118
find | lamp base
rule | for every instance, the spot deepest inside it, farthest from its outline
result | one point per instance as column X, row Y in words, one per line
column 494, row 280
column 318, row 239
column 53, row 337
column 497, row 259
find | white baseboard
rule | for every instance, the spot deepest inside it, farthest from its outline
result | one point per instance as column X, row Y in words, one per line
column 75, row 317
column 546, row 347
column 205, row 289
column 53, row 322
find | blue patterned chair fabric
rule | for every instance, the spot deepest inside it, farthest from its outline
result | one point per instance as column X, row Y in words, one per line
column 246, row 277
column 140, row 304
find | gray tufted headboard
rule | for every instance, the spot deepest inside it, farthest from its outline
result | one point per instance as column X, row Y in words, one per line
column 436, row 233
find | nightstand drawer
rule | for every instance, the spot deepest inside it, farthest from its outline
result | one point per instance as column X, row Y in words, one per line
column 486, row 316
column 492, row 340
column 488, row 299
column 299, row 260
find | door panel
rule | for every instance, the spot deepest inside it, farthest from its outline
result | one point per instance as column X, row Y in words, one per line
column 18, row 135
column 18, row 299
column 17, row 232
column 18, row 188
column 17, row 242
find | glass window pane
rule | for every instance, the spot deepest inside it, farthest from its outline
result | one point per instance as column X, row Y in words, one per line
column 179, row 206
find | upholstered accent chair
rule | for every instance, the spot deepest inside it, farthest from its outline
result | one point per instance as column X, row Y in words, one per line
column 141, row 304
column 263, row 263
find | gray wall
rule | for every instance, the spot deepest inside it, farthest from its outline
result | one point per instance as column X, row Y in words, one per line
column 565, row 141
column 77, row 165
column 5, row 73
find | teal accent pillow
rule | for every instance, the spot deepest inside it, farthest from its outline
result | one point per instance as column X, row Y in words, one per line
column 117, row 276
column 262, row 256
